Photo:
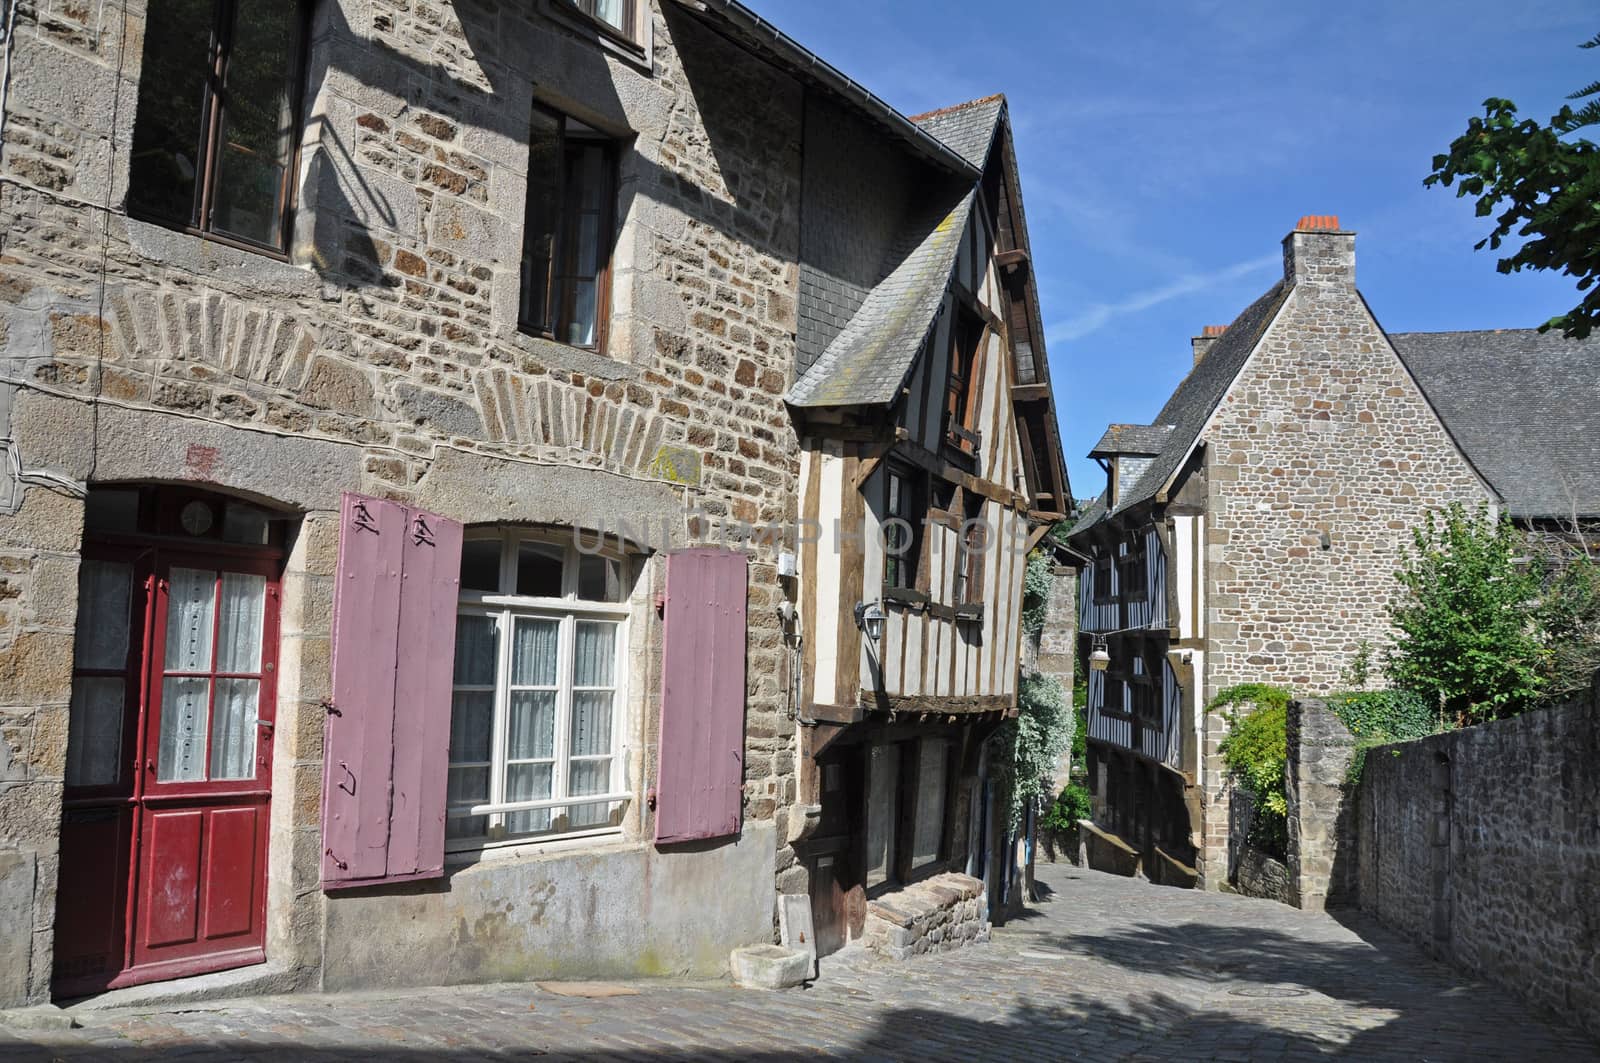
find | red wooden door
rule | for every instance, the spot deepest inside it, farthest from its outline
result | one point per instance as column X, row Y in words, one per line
column 205, row 767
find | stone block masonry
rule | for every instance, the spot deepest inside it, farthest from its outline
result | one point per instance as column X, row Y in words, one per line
column 384, row 356
column 1483, row 844
column 944, row 912
column 1321, row 811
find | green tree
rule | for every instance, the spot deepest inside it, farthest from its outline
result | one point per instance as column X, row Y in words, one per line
column 1468, row 637
column 1545, row 183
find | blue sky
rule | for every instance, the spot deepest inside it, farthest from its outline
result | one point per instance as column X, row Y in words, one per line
column 1167, row 148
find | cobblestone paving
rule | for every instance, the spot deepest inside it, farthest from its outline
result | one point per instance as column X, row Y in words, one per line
column 1107, row 969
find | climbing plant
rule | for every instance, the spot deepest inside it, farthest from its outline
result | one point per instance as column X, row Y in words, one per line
column 1255, row 751
column 1378, row 717
column 1036, row 583
column 1024, row 750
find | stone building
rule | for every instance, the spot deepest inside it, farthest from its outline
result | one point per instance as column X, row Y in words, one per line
column 1251, row 533
column 391, row 391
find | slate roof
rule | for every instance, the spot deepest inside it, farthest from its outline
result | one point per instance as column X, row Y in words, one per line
column 1523, row 407
column 1143, row 439
column 869, row 360
column 967, row 128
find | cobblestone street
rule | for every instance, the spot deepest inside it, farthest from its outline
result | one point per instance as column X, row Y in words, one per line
column 1107, row 969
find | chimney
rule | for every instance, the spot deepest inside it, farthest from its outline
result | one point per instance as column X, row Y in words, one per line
column 1319, row 254
column 1202, row 343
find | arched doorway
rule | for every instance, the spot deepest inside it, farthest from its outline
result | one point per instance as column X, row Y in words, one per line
column 169, row 746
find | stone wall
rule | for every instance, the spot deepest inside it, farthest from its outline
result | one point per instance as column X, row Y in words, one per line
column 1483, row 844
column 1321, row 808
column 1259, row 875
column 944, row 912
column 1322, row 433
column 384, row 355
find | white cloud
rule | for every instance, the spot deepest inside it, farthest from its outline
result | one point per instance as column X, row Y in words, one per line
column 1097, row 315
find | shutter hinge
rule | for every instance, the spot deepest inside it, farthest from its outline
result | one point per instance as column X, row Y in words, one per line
column 362, row 518
column 421, row 534
column 340, row 864
column 661, row 604
column 329, row 707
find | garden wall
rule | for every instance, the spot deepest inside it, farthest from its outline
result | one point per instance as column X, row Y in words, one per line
column 1484, row 845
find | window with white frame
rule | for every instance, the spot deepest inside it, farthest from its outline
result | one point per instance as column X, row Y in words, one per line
column 536, row 744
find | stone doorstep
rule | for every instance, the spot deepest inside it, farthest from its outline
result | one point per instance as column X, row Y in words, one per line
column 940, row 913
column 261, row 979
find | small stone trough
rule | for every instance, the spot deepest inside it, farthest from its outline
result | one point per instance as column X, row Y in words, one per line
column 943, row 912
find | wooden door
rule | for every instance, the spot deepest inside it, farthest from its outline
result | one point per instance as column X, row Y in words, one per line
column 199, row 901
column 164, row 831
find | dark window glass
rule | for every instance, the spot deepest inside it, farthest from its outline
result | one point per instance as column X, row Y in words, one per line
column 214, row 138
column 539, row 570
column 902, row 528
column 480, row 565
column 599, row 579
column 566, row 246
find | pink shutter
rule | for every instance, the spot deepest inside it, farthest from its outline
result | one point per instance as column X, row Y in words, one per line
column 386, row 747
column 701, row 765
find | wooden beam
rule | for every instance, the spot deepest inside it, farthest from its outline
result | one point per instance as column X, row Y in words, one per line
column 1030, row 392
column 842, row 714
column 942, row 705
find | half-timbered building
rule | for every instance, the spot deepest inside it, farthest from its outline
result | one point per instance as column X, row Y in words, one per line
column 929, row 465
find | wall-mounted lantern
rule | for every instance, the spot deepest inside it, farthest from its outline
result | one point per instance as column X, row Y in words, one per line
column 869, row 618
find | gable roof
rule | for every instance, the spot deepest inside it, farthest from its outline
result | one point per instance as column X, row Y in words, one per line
column 1142, row 439
column 868, row 362
column 967, row 128
column 1523, row 406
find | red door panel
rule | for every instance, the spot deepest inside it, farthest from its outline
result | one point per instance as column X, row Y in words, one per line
column 230, row 873
column 171, row 877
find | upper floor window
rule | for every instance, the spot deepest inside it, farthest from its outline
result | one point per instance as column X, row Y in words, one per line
column 1134, row 569
column 1105, row 591
column 966, row 366
column 536, row 743
column 905, row 508
column 566, row 241
column 216, row 131
column 619, row 15
column 973, row 544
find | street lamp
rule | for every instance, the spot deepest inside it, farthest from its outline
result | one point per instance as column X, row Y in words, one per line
column 1099, row 657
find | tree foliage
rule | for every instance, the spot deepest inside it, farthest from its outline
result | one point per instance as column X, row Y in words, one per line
column 1544, row 181
column 1569, row 622
column 1468, row 636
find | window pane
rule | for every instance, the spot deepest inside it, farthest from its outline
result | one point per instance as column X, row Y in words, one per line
column 471, row 725
column 599, row 579
column 191, row 607
column 883, row 778
column 531, row 730
column 528, row 782
column 580, row 329
column 477, row 646
column 594, row 655
column 591, row 724
column 533, row 654
column 609, row 12
column 929, row 831
column 167, row 129
column 541, row 217
column 257, row 139
column 246, row 524
column 589, row 777
column 539, row 568
column 233, row 743
column 94, row 735
column 244, row 600
column 480, row 565
column 111, row 510
column 104, row 589
column 467, row 787
column 182, row 754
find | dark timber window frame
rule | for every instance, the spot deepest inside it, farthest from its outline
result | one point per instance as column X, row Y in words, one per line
column 1102, row 581
column 968, row 335
column 559, row 264
column 1134, row 573
column 627, row 33
column 208, row 153
column 905, row 496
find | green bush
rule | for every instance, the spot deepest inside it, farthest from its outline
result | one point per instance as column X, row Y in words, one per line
column 1468, row 634
column 1569, row 621
column 1378, row 717
column 1255, row 751
column 1036, row 583
column 1070, row 805
column 1026, row 748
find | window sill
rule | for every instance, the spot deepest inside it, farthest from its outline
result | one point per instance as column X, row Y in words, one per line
column 554, row 355
column 465, row 853
column 217, row 260
column 604, row 34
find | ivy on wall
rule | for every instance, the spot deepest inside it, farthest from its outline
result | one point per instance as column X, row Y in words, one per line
column 1256, row 750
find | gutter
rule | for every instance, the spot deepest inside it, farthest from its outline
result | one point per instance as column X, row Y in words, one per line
column 807, row 62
